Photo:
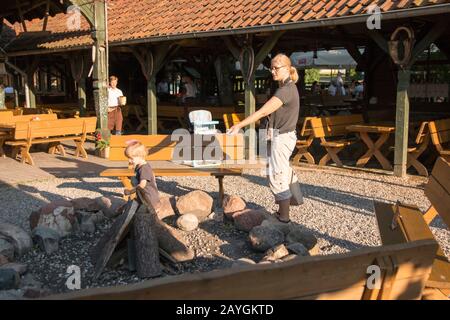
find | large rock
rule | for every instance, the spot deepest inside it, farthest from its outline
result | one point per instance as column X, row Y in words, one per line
column 165, row 208
column 20, row 268
column 103, row 204
column 275, row 224
column 198, row 202
column 187, row 222
column 18, row 237
column 59, row 216
column 9, row 279
column 298, row 249
column 247, row 219
column 106, row 206
column 231, row 205
column 299, row 234
column 3, row 260
column 242, row 262
column 6, row 249
column 276, row 253
column 47, row 239
column 263, row 238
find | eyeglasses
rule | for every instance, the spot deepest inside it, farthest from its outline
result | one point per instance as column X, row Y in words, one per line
column 276, row 68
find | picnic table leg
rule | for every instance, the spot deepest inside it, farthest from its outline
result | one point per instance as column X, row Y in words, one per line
column 26, row 156
column 430, row 215
column 126, row 181
column 61, row 149
column 221, row 191
column 412, row 161
column 374, row 150
column 80, row 150
column 2, row 152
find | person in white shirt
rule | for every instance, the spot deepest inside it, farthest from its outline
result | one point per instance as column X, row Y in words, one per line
column 115, row 117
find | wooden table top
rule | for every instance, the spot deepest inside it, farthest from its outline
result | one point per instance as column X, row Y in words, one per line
column 370, row 128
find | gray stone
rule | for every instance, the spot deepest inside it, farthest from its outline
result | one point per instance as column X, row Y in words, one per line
column 9, row 279
column 47, row 239
column 6, row 249
column 263, row 238
column 105, row 205
column 290, row 257
column 197, row 202
column 3, row 260
column 299, row 234
column 62, row 219
column 28, row 281
column 20, row 268
column 216, row 216
column 18, row 237
column 187, row 222
column 242, row 262
column 87, row 226
column 298, row 249
column 276, row 253
column 275, row 224
column 11, row 294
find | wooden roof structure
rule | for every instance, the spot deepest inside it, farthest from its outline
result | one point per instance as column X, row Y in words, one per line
column 133, row 22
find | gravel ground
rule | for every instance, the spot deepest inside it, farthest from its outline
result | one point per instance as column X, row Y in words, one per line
column 338, row 209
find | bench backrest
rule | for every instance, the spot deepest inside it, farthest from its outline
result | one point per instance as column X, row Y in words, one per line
column 334, row 126
column 231, row 119
column 161, row 147
column 404, row 269
column 54, row 128
column 6, row 116
column 437, row 189
column 30, row 117
column 440, row 132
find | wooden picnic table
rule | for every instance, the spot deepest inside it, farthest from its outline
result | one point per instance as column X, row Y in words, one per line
column 373, row 148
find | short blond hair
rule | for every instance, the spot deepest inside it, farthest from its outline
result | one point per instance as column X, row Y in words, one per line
column 135, row 149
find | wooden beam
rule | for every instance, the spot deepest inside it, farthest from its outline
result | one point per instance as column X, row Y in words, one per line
column 22, row 20
column 379, row 40
column 47, row 8
column 267, row 47
column 434, row 33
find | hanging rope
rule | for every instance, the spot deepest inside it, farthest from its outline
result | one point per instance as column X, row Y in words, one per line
column 408, row 45
column 247, row 70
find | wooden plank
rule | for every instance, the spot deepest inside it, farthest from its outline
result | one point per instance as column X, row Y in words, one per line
column 439, row 198
column 302, row 277
column 173, row 172
column 412, row 227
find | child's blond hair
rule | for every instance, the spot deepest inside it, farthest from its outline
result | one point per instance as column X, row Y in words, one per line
column 136, row 149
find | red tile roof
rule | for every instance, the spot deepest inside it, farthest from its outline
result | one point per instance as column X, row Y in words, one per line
column 134, row 20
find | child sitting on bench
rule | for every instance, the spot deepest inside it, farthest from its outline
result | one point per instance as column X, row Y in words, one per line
column 144, row 178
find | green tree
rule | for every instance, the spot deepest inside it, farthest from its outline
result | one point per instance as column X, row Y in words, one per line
column 312, row 75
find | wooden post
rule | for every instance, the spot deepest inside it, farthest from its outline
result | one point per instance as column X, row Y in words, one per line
column 152, row 106
column 100, row 71
column 401, row 123
column 2, row 97
column 29, row 82
column 79, row 66
column 249, row 64
column 152, row 60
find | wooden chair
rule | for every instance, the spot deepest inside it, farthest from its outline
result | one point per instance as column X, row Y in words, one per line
column 162, row 148
column 402, row 223
column 333, row 135
column 230, row 119
column 403, row 271
column 53, row 132
column 440, row 136
column 302, row 145
column 414, row 152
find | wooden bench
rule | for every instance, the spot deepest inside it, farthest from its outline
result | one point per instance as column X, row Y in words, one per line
column 162, row 148
column 302, row 145
column 414, row 152
column 7, row 125
column 333, row 135
column 404, row 223
column 403, row 271
column 53, row 132
column 440, row 136
column 231, row 119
